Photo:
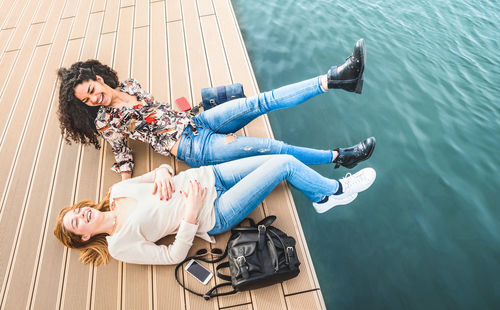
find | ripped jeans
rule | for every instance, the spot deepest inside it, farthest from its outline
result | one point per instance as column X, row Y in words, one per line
column 244, row 183
column 212, row 145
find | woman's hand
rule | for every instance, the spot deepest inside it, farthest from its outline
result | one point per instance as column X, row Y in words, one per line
column 164, row 183
column 193, row 201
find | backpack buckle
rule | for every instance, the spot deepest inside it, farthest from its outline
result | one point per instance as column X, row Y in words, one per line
column 241, row 261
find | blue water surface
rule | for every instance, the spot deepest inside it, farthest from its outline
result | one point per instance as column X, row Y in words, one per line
column 427, row 234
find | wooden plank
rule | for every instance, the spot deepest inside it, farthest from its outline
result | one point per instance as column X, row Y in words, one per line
column 98, row 6
column 10, row 97
column 111, row 14
column 307, row 300
column 5, row 9
column 46, row 293
column 71, row 9
column 179, row 78
column 89, row 49
column 268, row 298
column 159, row 85
column 42, row 12
column 49, row 30
column 141, row 13
column 6, row 65
column 81, row 19
column 124, row 43
column 241, row 69
column 15, row 13
column 198, row 67
column 5, row 36
column 217, row 62
column 18, row 291
column 127, row 3
column 241, row 307
column 173, row 10
column 106, row 285
column 205, row 7
column 22, row 27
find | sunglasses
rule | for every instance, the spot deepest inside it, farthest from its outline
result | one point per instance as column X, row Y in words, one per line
column 215, row 251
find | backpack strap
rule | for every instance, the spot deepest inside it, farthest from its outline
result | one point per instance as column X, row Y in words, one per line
column 220, row 275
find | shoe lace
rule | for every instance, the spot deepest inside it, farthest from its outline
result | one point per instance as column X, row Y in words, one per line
column 347, row 181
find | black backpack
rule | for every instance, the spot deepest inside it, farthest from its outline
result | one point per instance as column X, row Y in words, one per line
column 258, row 255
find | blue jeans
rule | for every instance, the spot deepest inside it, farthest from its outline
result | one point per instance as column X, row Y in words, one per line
column 244, row 183
column 210, row 147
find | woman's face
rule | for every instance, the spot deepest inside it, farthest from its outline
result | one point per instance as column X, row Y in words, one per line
column 82, row 221
column 94, row 93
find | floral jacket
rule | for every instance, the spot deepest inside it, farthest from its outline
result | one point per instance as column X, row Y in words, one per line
column 150, row 121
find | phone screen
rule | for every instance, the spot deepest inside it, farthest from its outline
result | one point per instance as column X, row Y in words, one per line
column 198, row 271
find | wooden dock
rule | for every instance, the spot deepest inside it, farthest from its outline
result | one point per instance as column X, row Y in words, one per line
column 174, row 48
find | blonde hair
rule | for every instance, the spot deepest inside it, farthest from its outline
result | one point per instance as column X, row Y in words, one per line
column 93, row 251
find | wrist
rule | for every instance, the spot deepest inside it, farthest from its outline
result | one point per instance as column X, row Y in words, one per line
column 168, row 168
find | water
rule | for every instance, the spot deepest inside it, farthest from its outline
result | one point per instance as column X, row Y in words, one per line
column 426, row 235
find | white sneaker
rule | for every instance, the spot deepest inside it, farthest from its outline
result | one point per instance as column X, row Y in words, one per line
column 358, row 182
column 334, row 200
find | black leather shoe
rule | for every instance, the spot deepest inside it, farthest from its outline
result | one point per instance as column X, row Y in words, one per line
column 349, row 75
column 351, row 156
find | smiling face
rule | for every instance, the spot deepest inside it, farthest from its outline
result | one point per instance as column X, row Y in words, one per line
column 94, row 93
column 83, row 221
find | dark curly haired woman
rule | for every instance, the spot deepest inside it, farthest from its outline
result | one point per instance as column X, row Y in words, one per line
column 93, row 103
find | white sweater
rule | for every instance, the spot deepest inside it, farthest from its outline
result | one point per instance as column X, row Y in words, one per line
column 153, row 219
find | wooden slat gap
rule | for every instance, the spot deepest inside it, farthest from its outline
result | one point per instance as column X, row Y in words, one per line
column 36, row 23
column 100, row 11
column 127, row 6
column 174, row 20
column 79, row 38
column 14, row 50
column 139, row 27
column 302, row 292
column 8, row 28
column 236, row 305
column 67, row 17
column 205, row 15
column 43, row 44
column 108, row 32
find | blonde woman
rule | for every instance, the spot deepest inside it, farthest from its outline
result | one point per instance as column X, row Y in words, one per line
column 205, row 201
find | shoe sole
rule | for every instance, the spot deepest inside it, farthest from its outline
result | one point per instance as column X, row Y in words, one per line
column 359, row 85
column 339, row 204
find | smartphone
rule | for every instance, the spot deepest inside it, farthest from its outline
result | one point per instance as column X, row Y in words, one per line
column 183, row 104
column 198, row 271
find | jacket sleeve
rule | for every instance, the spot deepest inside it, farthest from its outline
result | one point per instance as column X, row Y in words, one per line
column 149, row 253
column 123, row 154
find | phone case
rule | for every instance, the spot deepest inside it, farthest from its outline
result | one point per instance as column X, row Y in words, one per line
column 183, row 104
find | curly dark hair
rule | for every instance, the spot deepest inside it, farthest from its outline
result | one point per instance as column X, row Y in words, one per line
column 75, row 117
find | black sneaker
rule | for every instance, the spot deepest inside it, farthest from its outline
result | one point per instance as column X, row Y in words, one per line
column 351, row 156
